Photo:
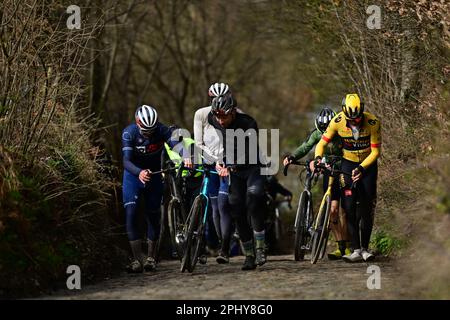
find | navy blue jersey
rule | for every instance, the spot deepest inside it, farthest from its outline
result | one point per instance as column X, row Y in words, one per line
column 141, row 153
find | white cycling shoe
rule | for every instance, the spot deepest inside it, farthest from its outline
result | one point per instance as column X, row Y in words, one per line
column 367, row 256
column 354, row 257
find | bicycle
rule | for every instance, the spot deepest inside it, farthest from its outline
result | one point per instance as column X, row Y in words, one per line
column 196, row 222
column 304, row 216
column 176, row 212
column 321, row 226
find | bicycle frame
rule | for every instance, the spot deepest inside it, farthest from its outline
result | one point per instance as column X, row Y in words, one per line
column 322, row 203
column 307, row 190
column 193, row 231
column 204, row 191
column 175, row 192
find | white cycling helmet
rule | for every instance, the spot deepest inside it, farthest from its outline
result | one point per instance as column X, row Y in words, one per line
column 146, row 118
column 218, row 89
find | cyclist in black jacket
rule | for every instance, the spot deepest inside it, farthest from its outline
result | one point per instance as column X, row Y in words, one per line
column 242, row 163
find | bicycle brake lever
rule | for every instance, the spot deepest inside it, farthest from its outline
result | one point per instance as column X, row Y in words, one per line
column 180, row 170
column 285, row 170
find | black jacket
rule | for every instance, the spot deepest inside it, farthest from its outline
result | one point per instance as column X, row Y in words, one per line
column 244, row 158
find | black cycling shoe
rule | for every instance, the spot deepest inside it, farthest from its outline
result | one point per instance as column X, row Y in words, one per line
column 249, row 263
column 222, row 258
column 260, row 256
column 150, row 264
column 135, row 267
column 203, row 259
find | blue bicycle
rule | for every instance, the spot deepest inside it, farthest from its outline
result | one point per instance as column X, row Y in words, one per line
column 195, row 224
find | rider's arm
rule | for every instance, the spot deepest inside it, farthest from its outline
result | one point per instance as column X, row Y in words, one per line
column 200, row 120
column 306, row 146
column 375, row 143
column 166, row 134
column 198, row 127
column 326, row 138
column 127, row 152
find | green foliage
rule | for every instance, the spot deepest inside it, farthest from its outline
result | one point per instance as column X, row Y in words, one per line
column 443, row 204
column 385, row 243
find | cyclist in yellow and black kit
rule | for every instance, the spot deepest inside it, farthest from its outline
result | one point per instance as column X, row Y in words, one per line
column 361, row 136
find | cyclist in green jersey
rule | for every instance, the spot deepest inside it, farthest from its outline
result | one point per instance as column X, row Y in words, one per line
column 338, row 225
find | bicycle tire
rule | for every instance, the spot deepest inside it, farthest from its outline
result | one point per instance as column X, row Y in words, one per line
column 197, row 241
column 176, row 224
column 193, row 218
column 185, row 260
column 325, row 230
column 301, row 232
column 162, row 229
column 321, row 233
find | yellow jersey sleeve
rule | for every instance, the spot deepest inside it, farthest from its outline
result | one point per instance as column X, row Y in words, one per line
column 326, row 138
column 375, row 142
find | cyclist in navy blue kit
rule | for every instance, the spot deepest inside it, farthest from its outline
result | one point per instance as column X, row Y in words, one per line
column 142, row 144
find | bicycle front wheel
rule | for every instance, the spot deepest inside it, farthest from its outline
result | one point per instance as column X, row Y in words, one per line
column 320, row 234
column 190, row 253
column 301, row 228
column 176, row 226
column 198, row 229
column 162, row 230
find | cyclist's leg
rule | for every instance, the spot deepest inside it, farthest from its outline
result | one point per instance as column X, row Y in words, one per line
column 348, row 197
column 334, row 217
column 213, row 190
column 153, row 196
column 368, row 200
column 212, row 239
column 225, row 216
column 237, row 200
column 131, row 189
column 255, row 200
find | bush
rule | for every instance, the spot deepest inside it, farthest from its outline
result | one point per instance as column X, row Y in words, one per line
column 385, row 244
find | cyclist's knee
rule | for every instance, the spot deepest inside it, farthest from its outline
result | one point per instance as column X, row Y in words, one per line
column 236, row 199
column 255, row 190
column 334, row 210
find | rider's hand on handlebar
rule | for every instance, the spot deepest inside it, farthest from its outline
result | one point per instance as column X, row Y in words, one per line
column 221, row 170
column 356, row 174
column 145, row 175
column 288, row 160
column 188, row 163
column 312, row 165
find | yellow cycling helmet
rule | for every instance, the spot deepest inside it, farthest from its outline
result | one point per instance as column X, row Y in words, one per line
column 352, row 106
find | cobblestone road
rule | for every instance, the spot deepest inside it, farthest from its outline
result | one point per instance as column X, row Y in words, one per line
column 280, row 278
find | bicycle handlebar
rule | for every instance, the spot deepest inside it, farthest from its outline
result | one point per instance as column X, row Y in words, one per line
column 296, row 163
column 332, row 171
column 161, row 171
column 200, row 170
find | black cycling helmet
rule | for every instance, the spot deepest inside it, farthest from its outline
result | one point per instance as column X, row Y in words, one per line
column 223, row 104
column 323, row 119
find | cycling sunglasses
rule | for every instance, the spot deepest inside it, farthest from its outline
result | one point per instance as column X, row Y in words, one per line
column 145, row 131
column 356, row 120
column 222, row 114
